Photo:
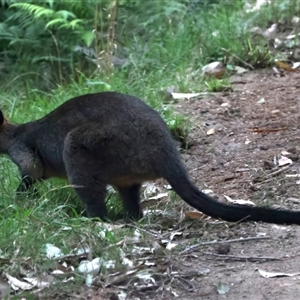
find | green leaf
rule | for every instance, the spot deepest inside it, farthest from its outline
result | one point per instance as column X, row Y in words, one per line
column 88, row 37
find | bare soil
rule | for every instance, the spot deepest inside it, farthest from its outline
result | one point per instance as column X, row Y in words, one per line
column 238, row 160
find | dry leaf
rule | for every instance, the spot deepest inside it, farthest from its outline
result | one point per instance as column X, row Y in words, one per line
column 171, row 245
column 222, row 288
column 267, row 274
column 270, row 33
column 159, row 196
column 185, row 95
column 261, row 101
column 215, row 69
column 224, row 104
column 240, row 70
column 52, row 251
column 240, row 202
column 296, row 65
column 173, row 234
column 284, row 66
column 90, row 267
column 150, row 190
column 41, row 282
column 211, row 131
column 283, row 161
column 275, row 111
column 194, row 215
column 17, row 284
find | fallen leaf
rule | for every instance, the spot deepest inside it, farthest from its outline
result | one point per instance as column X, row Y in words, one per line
column 17, row 284
column 267, row 274
column 261, row 101
column 171, row 245
column 146, row 276
column 270, row 33
column 240, row 70
column 194, row 215
column 296, row 65
column 40, row 282
column 150, row 189
column 173, row 234
column 284, row 66
column 215, row 69
column 52, row 251
column 90, row 267
column 292, row 36
column 276, row 71
column 159, row 196
column 211, row 131
column 240, row 202
column 185, row 95
column 283, row 160
column 148, row 212
column 275, row 111
column 295, row 20
column 157, row 248
column 222, row 288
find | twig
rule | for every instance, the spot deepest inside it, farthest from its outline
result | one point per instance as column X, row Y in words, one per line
column 279, row 171
column 71, row 256
column 187, row 250
column 250, row 66
column 247, row 258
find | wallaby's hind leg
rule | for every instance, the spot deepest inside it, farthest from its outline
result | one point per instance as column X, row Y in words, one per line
column 89, row 186
column 131, row 200
column 91, row 192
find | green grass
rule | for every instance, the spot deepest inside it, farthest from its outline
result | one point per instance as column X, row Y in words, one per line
column 54, row 216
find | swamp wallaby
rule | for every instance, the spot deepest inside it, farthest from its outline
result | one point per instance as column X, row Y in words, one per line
column 110, row 138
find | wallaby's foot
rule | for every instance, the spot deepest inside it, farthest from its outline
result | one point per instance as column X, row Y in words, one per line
column 131, row 201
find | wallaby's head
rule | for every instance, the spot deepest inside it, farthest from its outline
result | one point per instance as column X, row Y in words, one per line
column 6, row 133
column 3, row 120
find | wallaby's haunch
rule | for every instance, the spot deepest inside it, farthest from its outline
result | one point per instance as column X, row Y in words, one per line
column 110, row 138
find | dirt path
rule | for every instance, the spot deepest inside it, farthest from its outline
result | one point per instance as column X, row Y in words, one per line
column 236, row 161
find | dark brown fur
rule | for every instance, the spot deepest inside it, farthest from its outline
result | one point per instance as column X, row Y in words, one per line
column 110, row 138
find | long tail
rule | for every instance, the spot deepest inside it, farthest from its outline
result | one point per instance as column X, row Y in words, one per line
column 177, row 176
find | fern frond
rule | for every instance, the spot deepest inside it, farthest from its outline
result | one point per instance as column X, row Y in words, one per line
column 64, row 14
column 55, row 22
column 35, row 10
